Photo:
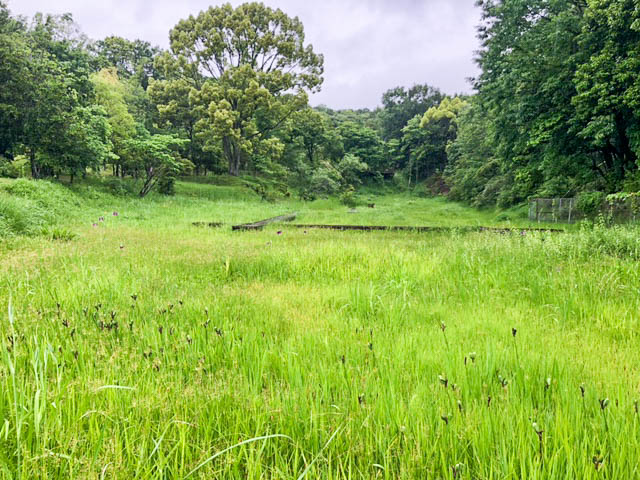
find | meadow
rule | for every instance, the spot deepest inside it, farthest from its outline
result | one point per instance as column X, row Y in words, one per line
column 137, row 345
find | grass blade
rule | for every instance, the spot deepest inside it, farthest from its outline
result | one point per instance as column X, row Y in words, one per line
column 221, row 452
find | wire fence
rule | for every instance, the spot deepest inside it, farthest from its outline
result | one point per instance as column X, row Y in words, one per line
column 566, row 210
column 554, row 210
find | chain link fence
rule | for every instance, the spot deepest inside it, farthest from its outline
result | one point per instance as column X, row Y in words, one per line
column 554, row 210
column 565, row 210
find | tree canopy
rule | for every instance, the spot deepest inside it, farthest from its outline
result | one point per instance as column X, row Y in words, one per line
column 554, row 112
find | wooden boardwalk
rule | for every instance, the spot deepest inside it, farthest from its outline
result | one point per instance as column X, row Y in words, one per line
column 259, row 225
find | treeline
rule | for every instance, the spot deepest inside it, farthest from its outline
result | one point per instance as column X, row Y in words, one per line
column 554, row 114
column 230, row 95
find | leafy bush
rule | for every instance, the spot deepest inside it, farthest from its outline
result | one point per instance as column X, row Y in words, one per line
column 13, row 169
column 20, row 217
column 590, row 203
column 326, row 180
column 400, row 180
column 118, row 186
column 433, row 186
column 59, row 234
column 351, row 168
column 348, row 198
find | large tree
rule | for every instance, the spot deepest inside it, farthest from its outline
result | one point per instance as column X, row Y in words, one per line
column 256, row 71
column 133, row 59
column 402, row 104
column 46, row 93
column 529, row 56
column 608, row 87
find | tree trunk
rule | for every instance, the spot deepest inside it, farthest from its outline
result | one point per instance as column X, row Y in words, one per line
column 149, row 182
column 35, row 169
column 233, row 154
column 629, row 158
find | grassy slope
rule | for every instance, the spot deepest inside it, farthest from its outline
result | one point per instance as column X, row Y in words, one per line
column 238, row 335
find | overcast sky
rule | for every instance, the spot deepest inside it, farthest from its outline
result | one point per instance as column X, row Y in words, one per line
column 369, row 45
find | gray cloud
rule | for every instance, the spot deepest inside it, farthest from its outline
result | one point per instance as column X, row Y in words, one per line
column 369, row 45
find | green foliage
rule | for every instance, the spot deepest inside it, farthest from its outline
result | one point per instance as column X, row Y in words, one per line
column 557, row 99
column 348, row 198
column 110, row 94
column 14, row 168
column 473, row 172
column 158, row 156
column 352, row 169
column 325, row 180
column 20, row 217
column 590, row 203
column 401, row 105
column 130, row 58
column 119, row 186
column 364, row 143
column 257, row 69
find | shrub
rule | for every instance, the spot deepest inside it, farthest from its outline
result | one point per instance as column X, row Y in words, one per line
column 59, row 234
column 351, row 168
column 348, row 198
column 326, row 180
column 20, row 217
column 13, row 169
column 590, row 203
column 120, row 187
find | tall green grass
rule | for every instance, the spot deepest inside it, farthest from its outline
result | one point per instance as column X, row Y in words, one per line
column 150, row 348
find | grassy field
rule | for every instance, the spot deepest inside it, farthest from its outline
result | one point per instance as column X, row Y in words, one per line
column 139, row 346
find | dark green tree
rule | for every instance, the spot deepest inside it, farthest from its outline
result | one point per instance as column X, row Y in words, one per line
column 401, row 105
column 258, row 71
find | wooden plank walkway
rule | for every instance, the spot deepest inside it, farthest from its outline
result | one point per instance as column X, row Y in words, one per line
column 369, row 228
column 428, row 229
column 262, row 223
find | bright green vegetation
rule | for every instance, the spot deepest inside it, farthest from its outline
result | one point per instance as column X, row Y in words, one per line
column 553, row 113
column 134, row 344
column 145, row 346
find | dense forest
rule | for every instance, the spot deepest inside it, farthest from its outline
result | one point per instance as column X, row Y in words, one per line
column 554, row 113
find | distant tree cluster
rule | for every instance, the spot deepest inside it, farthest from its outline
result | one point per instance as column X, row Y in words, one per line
column 230, row 95
column 555, row 113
